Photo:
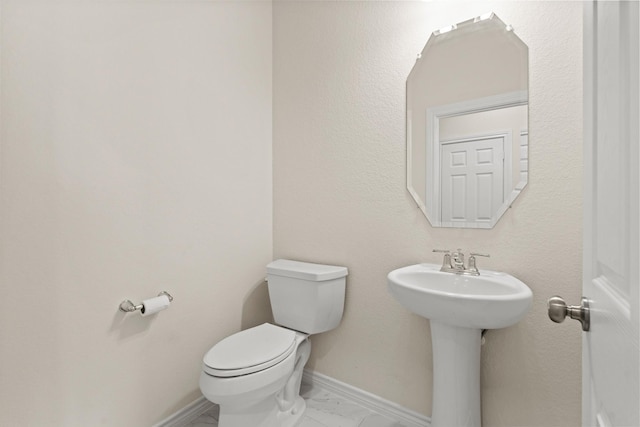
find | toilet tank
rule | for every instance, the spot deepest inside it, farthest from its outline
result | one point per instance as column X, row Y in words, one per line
column 306, row 297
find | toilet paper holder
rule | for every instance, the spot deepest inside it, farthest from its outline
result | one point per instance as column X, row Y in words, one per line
column 128, row 307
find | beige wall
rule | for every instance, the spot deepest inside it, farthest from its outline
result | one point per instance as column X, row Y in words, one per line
column 340, row 197
column 136, row 157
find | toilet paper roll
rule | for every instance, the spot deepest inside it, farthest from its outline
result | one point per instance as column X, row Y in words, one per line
column 154, row 305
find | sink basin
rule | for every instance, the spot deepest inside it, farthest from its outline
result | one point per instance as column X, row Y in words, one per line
column 489, row 301
column 459, row 308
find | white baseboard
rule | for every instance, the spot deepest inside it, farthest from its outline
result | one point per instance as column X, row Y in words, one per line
column 187, row 414
column 363, row 398
column 367, row 400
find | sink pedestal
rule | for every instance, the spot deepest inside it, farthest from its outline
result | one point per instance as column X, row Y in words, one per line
column 456, row 376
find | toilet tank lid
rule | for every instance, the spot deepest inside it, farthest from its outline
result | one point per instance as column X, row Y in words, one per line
column 306, row 270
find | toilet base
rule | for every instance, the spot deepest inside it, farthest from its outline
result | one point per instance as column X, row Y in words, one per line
column 291, row 417
column 265, row 413
column 259, row 414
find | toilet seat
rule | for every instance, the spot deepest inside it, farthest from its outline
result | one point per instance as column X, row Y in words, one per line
column 250, row 351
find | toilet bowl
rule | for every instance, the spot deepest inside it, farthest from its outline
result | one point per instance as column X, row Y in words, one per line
column 255, row 375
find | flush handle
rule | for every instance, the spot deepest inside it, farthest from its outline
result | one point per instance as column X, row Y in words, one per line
column 559, row 310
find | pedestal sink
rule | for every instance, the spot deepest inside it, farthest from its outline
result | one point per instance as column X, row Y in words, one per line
column 459, row 307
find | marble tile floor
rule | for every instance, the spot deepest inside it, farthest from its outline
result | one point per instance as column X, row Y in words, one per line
column 324, row 409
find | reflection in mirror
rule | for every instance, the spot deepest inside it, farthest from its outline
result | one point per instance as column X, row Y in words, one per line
column 467, row 123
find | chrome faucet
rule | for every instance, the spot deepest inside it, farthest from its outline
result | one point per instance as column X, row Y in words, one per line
column 454, row 262
column 457, row 259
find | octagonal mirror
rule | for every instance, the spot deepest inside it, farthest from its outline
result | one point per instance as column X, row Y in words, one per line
column 467, row 123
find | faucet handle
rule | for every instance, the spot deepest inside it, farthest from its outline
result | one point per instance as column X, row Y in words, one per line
column 472, row 262
column 477, row 254
column 446, row 261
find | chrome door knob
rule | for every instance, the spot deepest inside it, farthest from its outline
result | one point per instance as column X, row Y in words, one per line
column 559, row 310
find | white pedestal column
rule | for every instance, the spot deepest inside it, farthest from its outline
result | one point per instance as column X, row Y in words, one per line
column 456, row 376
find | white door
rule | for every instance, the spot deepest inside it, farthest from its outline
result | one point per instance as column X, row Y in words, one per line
column 472, row 179
column 611, row 361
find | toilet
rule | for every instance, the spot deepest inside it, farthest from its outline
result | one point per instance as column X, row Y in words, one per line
column 255, row 375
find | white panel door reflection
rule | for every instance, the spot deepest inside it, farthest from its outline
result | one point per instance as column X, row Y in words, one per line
column 472, row 178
